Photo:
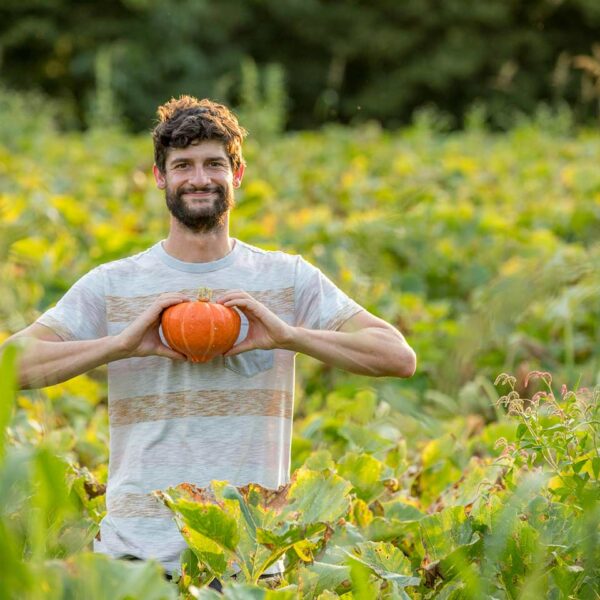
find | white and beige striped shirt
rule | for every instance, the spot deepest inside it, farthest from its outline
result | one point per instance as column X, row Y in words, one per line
column 171, row 421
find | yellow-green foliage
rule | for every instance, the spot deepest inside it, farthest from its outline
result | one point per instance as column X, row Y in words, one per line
column 481, row 248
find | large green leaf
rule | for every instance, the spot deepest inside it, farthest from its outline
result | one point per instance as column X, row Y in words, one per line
column 317, row 497
column 443, row 532
column 251, row 527
column 364, row 585
column 244, row 591
column 97, row 577
column 203, row 516
column 381, row 529
column 318, row 577
column 207, row 551
column 386, row 561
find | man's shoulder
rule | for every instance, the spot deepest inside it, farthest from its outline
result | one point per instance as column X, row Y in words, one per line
column 268, row 255
column 127, row 263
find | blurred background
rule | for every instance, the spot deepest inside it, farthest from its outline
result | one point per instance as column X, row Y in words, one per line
column 345, row 61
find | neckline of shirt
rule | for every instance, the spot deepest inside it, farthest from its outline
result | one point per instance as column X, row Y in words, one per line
column 196, row 267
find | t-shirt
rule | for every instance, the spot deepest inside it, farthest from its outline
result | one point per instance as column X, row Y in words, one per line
column 178, row 421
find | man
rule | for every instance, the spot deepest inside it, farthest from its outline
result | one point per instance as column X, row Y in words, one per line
column 172, row 420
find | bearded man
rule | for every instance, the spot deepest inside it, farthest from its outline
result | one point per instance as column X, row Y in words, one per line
column 173, row 420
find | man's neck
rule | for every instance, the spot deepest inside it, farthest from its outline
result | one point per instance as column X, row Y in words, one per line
column 188, row 246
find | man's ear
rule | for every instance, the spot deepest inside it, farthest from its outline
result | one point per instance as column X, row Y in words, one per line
column 161, row 181
column 238, row 176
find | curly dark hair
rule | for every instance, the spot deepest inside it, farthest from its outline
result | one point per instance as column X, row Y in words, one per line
column 184, row 120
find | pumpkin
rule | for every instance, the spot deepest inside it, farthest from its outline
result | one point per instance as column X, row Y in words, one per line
column 200, row 329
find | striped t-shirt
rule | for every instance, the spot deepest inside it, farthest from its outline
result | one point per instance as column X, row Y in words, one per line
column 178, row 421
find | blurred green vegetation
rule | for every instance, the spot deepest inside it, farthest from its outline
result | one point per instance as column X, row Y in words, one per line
column 348, row 61
column 481, row 247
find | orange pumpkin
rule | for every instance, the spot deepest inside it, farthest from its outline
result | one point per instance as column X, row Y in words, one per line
column 200, row 329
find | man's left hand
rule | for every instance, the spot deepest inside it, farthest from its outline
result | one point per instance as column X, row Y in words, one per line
column 265, row 329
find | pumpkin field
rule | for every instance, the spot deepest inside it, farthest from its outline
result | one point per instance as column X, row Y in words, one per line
column 479, row 477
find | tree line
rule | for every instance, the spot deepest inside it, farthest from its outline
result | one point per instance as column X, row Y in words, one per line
column 342, row 60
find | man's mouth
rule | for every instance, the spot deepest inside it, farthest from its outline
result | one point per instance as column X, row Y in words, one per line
column 197, row 194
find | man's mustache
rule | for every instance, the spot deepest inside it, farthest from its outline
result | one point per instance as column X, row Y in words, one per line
column 200, row 190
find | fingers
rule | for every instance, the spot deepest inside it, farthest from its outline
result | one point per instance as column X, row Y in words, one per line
column 245, row 302
column 162, row 302
column 169, row 299
column 169, row 353
column 234, row 294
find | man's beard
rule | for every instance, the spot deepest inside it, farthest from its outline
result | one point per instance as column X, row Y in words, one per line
column 207, row 218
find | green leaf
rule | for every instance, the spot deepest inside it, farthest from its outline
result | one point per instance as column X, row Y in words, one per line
column 445, row 531
column 278, row 543
column 231, row 493
column 366, row 474
column 98, row 577
column 365, row 439
column 318, row 577
column 458, row 562
column 206, row 518
column 317, row 496
column 363, row 587
column 291, row 534
column 208, row 552
column 245, row 591
column 521, row 430
column 320, row 461
column 8, row 386
column 386, row 561
column 382, row 529
column 402, row 512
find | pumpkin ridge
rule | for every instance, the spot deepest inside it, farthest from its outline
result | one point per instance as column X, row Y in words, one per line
column 182, row 330
column 209, row 345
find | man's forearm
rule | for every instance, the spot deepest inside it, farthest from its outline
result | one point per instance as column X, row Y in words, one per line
column 374, row 351
column 43, row 363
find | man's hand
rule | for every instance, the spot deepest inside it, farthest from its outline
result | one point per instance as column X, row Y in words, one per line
column 265, row 329
column 141, row 338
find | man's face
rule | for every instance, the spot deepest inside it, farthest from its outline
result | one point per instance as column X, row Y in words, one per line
column 198, row 183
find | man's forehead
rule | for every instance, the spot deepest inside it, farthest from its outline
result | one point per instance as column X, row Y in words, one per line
column 199, row 149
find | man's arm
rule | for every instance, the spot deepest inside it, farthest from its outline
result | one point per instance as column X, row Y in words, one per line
column 46, row 359
column 364, row 344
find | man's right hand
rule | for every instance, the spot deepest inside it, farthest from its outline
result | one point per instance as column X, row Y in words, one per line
column 141, row 338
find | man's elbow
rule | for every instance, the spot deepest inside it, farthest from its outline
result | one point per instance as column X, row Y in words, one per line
column 405, row 363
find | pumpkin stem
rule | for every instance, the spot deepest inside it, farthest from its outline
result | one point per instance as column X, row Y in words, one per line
column 204, row 294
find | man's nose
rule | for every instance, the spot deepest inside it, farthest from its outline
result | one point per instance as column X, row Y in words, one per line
column 199, row 177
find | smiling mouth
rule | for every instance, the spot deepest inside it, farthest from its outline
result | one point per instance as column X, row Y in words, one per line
column 198, row 195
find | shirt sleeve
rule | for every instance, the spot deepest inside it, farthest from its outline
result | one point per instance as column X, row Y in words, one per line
column 319, row 303
column 81, row 313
